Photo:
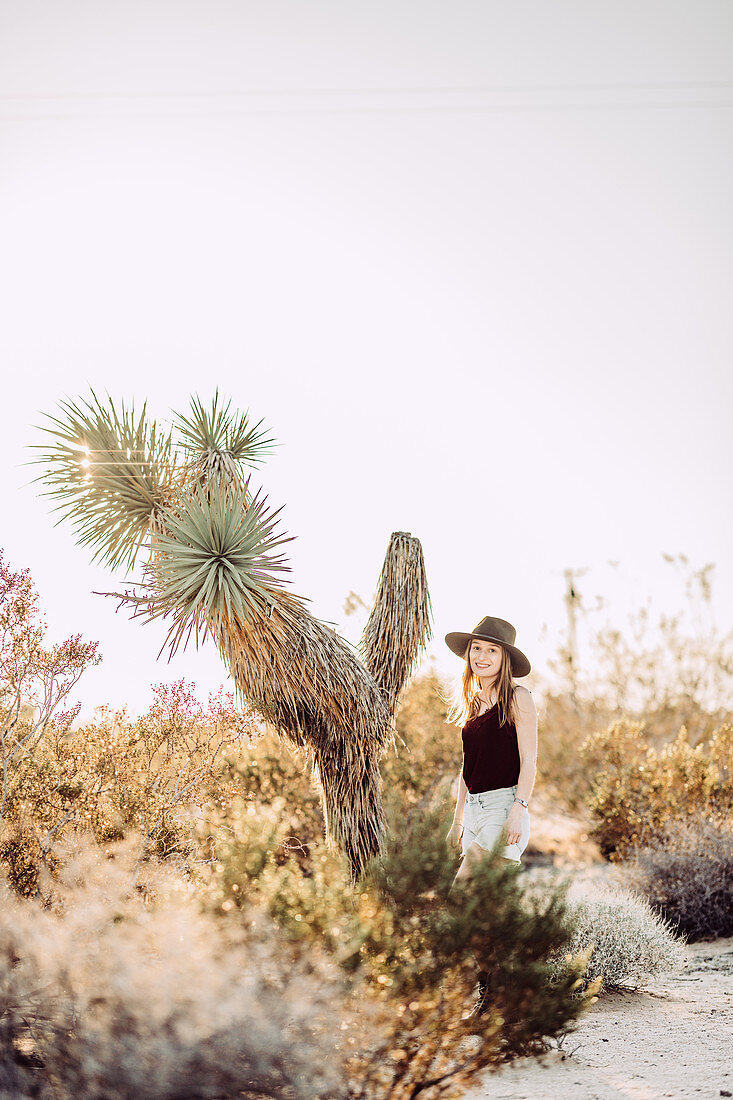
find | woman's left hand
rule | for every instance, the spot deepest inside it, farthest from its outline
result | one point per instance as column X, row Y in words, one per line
column 513, row 824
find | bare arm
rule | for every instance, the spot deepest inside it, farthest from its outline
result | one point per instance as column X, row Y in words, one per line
column 526, row 724
column 461, row 800
column 454, row 833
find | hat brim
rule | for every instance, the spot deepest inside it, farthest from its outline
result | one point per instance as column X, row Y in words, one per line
column 457, row 642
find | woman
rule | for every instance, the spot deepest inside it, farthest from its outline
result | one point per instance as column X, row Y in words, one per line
column 499, row 744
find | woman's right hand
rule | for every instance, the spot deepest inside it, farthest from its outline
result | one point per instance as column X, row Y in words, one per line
column 454, row 834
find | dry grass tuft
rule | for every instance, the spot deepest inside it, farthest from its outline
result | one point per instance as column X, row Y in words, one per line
column 630, row 942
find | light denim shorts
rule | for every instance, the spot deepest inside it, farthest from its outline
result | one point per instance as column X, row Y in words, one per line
column 484, row 817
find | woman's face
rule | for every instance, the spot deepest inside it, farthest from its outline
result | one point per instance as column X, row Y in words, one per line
column 485, row 658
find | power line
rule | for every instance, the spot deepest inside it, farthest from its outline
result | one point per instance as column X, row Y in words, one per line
column 431, row 99
column 640, row 105
column 421, row 89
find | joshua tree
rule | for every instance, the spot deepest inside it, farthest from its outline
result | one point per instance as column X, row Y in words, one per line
column 214, row 565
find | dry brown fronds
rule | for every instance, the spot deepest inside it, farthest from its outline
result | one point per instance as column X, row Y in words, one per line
column 398, row 626
column 309, row 683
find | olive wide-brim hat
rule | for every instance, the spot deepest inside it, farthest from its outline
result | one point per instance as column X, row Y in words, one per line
column 491, row 629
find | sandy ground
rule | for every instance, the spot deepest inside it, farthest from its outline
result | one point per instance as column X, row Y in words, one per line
column 674, row 1038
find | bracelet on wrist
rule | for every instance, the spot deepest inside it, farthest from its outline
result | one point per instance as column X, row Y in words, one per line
column 521, row 802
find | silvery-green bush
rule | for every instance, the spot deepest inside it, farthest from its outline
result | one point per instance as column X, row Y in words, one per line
column 631, row 942
column 117, row 994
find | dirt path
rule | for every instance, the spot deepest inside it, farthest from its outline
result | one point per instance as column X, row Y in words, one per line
column 674, row 1039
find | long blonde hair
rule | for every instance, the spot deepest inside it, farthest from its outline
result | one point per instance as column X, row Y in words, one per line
column 466, row 703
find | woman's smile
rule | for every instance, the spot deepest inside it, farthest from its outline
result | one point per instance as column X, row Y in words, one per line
column 485, row 658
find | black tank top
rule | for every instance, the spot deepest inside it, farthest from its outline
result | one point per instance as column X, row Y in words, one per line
column 490, row 752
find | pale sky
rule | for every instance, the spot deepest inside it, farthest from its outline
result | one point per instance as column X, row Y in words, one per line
column 471, row 262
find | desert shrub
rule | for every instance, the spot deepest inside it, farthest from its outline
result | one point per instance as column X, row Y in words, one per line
column 311, row 900
column 571, row 749
column 563, row 726
column 439, row 931
column 124, row 987
column 416, row 946
column 638, row 789
column 118, row 778
column 426, row 753
column 686, row 874
column 666, row 671
column 148, row 777
column 269, row 779
column 630, row 942
column 36, row 680
column 115, row 994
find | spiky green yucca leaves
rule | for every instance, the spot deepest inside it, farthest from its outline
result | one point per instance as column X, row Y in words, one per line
column 213, row 564
column 112, row 474
column 218, row 442
column 214, row 567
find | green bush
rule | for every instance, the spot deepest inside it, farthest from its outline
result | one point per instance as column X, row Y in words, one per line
column 415, row 944
column 439, row 933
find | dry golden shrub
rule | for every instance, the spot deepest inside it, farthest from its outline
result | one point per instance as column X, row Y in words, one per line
column 426, row 754
column 118, row 778
column 630, row 941
column 638, row 789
